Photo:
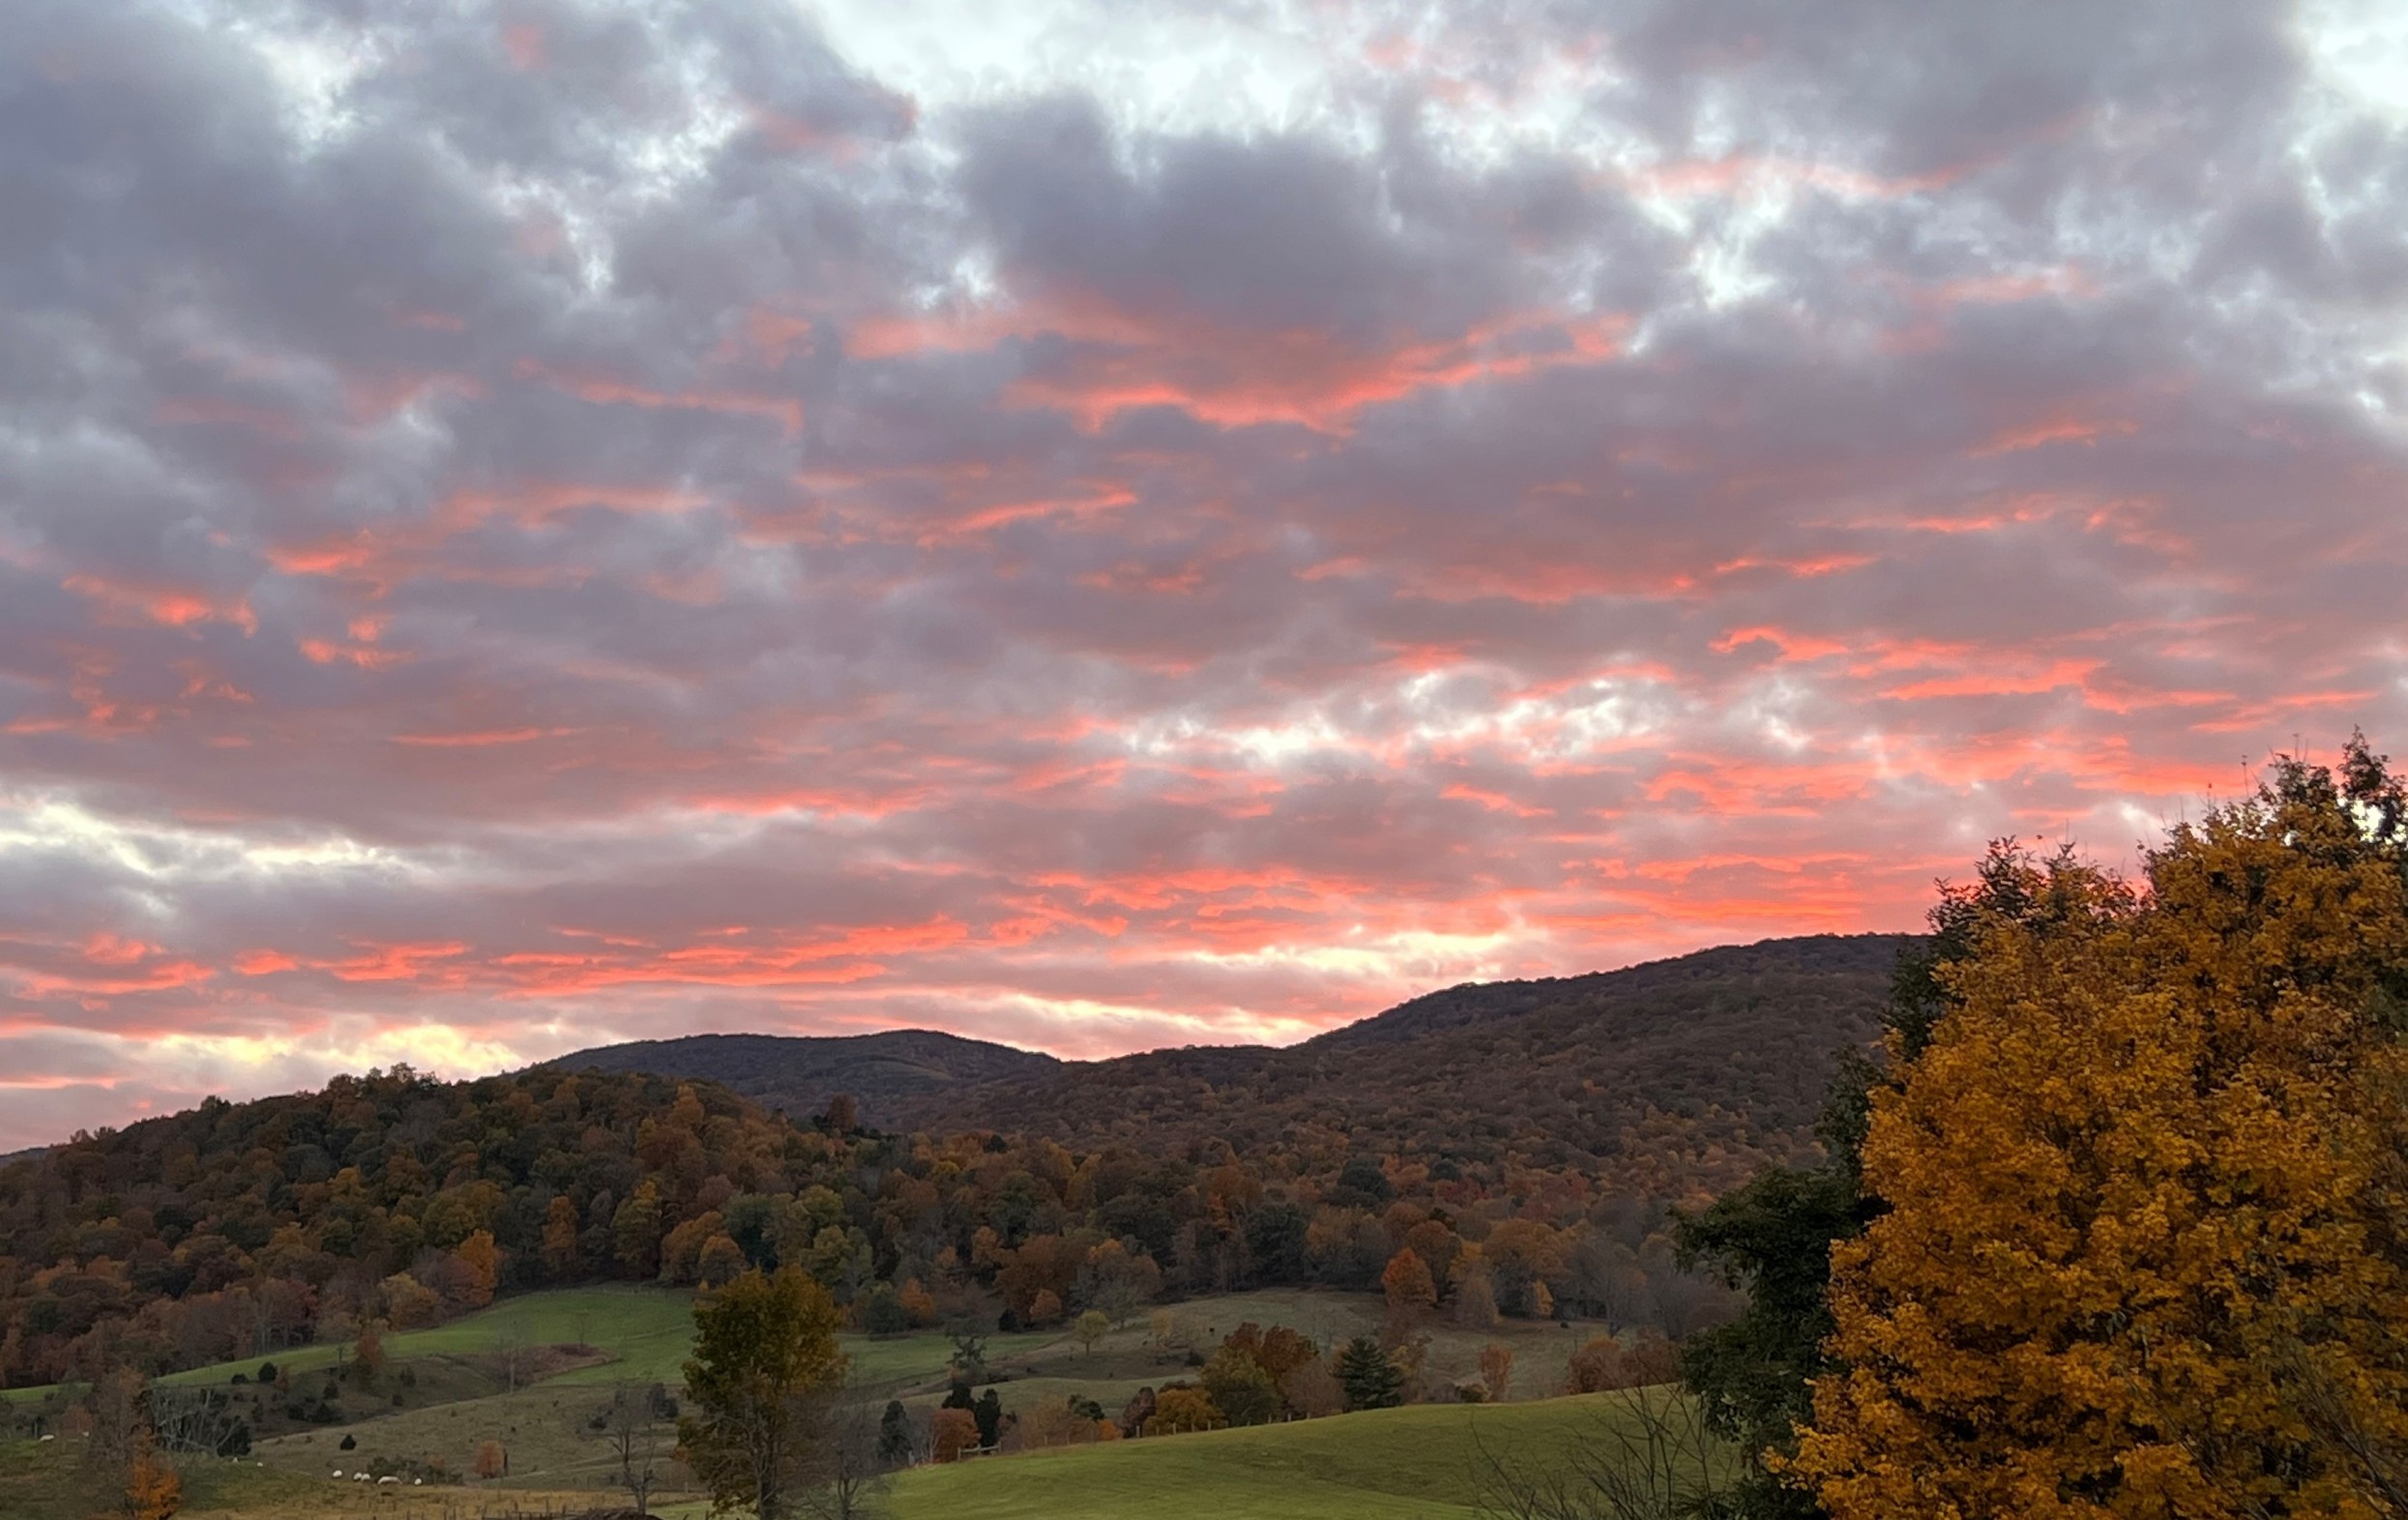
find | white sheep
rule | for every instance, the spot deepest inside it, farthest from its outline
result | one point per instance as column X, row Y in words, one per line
column 46, row 1438
column 339, row 1472
column 382, row 1482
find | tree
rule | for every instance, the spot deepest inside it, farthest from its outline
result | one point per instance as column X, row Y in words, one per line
column 1604, row 1364
column 894, row 1443
column 1092, row 1327
column 850, row 1479
column 1496, row 1370
column 757, row 1387
column 635, row 1232
column 561, row 1255
column 1370, row 1380
column 633, row 1433
column 1475, row 1302
column 367, row 1353
column 154, row 1491
column 1181, row 1410
column 1244, row 1393
column 951, row 1433
column 988, row 1413
column 483, row 1263
column 2146, row 1250
column 1771, row 1239
column 1310, row 1390
column 492, row 1459
column 1411, row 1291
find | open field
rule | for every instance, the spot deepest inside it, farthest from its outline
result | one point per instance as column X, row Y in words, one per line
column 443, row 1394
column 1419, row 1463
column 46, row 1481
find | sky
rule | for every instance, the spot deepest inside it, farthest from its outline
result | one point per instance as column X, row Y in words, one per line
column 1111, row 525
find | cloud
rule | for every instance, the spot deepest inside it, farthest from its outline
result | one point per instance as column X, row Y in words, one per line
column 533, row 525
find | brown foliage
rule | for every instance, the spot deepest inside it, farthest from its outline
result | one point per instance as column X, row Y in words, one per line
column 1604, row 1364
column 951, row 1433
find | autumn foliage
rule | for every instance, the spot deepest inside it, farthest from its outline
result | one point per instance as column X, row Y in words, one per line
column 2145, row 1250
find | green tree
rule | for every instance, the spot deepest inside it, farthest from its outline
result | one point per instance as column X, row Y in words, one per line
column 759, row 1384
column 988, row 1413
column 1369, row 1377
column 1242, row 1390
column 1091, row 1327
column 635, row 1230
column 894, row 1444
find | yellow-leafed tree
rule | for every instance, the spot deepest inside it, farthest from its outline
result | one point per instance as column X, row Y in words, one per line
column 2146, row 1247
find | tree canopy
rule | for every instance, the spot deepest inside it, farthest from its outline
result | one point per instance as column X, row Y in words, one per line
column 2144, row 1243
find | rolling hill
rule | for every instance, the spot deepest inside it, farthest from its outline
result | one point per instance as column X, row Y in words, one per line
column 797, row 1074
column 1696, row 1070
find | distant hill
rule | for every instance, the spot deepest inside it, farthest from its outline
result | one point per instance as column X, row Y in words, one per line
column 1664, row 1078
column 796, row 1074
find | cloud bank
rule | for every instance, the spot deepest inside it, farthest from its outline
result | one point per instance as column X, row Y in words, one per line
column 529, row 524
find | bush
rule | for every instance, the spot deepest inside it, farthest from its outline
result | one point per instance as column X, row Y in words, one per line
column 350, row 1443
column 267, row 1372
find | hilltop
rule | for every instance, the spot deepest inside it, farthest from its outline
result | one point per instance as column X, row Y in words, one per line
column 797, row 1074
column 1673, row 1076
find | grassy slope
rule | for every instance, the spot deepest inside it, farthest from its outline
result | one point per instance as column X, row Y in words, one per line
column 1422, row 1462
column 646, row 1331
column 46, row 1481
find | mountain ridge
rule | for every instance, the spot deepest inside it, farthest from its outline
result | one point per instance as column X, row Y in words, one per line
column 1732, row 1045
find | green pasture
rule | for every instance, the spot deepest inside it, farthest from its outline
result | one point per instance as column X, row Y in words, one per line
column 1427, row 1462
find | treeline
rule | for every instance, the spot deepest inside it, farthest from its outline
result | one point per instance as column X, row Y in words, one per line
column 393, row 1200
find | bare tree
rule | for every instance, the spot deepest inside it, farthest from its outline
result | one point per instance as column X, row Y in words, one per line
column 849, row 1480
column 637, row 1441
column 511, row 1350
column 198, row 1419
column 1648, row 1456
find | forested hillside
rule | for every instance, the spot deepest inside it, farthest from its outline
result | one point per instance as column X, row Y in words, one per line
column 1524, row 1141
column 1665, row 1080
column 797, row 1074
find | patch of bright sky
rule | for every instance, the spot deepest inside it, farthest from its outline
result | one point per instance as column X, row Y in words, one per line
column 1448, row 710
column 160, row 852
column 2359, row 52
column 346, row 1044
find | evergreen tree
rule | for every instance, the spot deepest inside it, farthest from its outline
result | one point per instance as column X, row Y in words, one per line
column 988, row 1413
column 895, row 1435
column 1368, row 1376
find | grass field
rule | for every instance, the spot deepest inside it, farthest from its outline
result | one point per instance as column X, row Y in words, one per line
column 455, row 1399
column 46, row 1481
column 1422, row 1462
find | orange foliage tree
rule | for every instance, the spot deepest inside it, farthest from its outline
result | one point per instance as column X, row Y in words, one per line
column 2146, row 1252
column 484, row 1260
column 153, row 1489
column 951, row 1433
column 1496, row 1370
column 1411, row 1290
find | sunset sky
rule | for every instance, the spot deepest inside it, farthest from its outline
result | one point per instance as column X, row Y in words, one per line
column 529, row 525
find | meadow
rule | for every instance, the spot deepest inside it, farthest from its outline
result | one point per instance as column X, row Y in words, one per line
column 1424, row 1462
column 445, row 1392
